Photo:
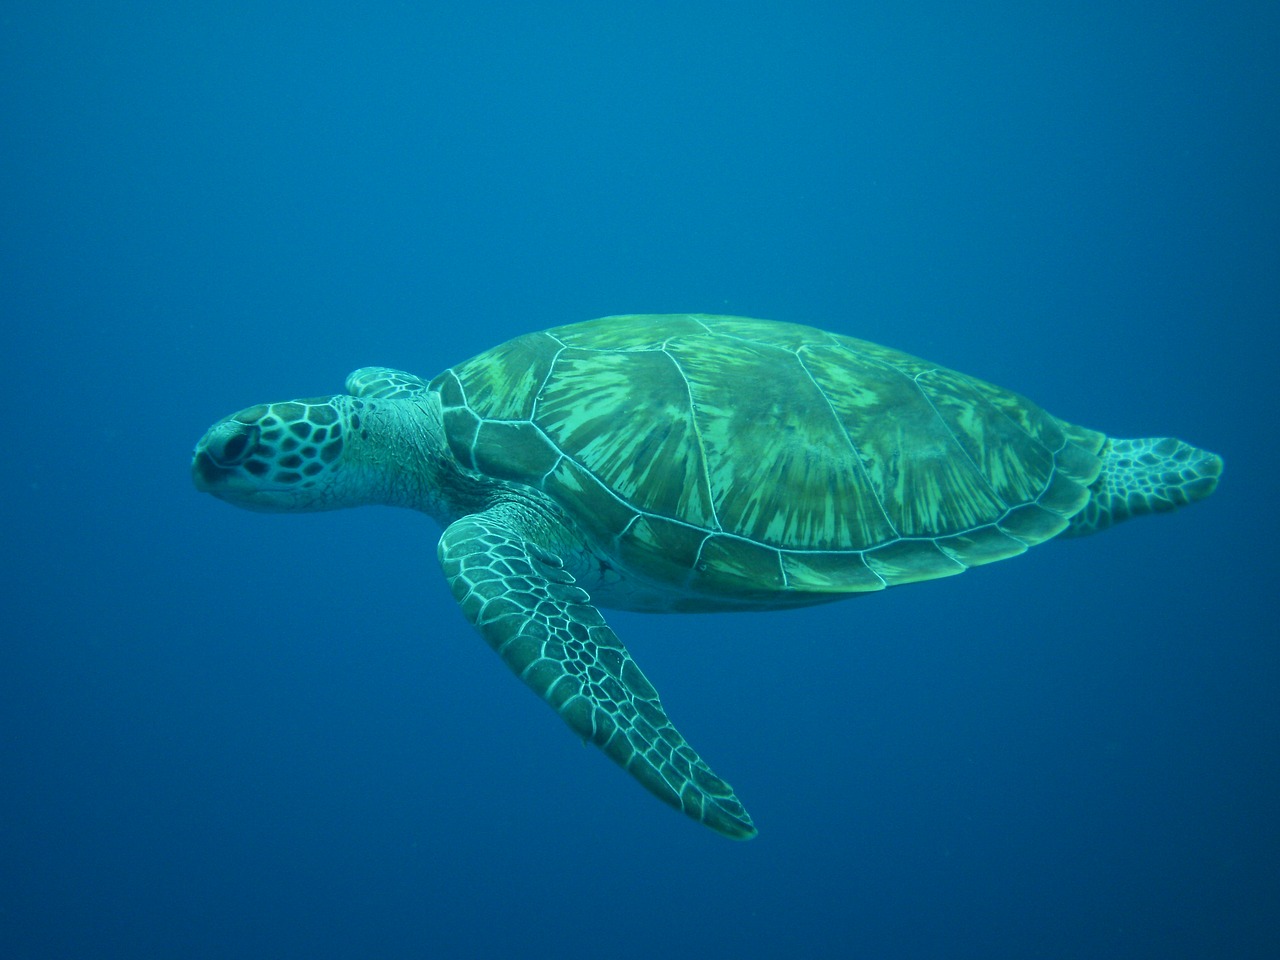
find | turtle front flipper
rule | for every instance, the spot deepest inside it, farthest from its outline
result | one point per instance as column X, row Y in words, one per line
column 527, row 608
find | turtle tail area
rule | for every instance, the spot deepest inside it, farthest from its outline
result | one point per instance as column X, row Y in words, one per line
column 1150, row 475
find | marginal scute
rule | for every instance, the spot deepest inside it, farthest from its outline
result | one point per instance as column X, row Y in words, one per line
column 660, row 548
column 829, row 573
column 598, row 512
column 1079, row 463
column 1064, row 496
column 909, row 561
column 983, row 545
column 1032, row 524
column 1089, row 441
column 729, row 563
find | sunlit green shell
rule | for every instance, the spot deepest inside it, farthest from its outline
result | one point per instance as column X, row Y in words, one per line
column 741, row 457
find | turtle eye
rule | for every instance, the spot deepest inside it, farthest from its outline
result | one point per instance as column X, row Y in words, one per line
column 231, row 443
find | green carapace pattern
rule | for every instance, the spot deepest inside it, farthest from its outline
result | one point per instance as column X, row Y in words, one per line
column 683, row 463
column 741, row 458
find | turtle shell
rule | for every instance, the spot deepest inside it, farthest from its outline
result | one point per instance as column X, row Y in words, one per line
column 735, row 457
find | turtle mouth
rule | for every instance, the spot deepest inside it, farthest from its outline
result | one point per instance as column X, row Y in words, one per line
column 225, row 483
column 207, row 475
column 231, row 485
column 221, row 454
column 223, row 464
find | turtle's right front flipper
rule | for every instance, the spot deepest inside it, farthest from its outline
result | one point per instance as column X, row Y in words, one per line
column 546, row 629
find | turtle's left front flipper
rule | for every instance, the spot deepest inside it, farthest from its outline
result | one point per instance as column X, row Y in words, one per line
column 546, row 629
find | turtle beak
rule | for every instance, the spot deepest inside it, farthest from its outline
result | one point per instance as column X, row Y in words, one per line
column 206, row 474
column 217, row 462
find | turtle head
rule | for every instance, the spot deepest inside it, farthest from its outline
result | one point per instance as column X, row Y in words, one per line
column 280, row 456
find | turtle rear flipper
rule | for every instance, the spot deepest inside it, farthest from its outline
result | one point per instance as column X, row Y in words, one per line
column 545, row 628
column 1149, row 475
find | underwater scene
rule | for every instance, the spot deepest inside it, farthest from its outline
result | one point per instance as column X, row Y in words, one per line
column 924, row 296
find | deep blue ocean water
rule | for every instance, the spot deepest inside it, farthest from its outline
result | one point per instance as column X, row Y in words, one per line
column 224, row 734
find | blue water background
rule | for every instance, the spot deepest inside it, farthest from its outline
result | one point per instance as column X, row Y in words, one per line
column 231, row 735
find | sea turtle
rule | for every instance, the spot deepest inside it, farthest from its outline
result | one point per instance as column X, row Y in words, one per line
column 683, row 463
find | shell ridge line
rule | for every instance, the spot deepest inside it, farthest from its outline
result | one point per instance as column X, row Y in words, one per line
column 782, row 567
column 862, row 466
column 956, row 440
column 1053, row 456
column 626, row 528
column 542, row 480
column 638, row 511
column 1000, row 412
column 702, row 323
column 551, row 368
column 641, row 512
column 696, row 567
column 1053, row 472
column 697, row 433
